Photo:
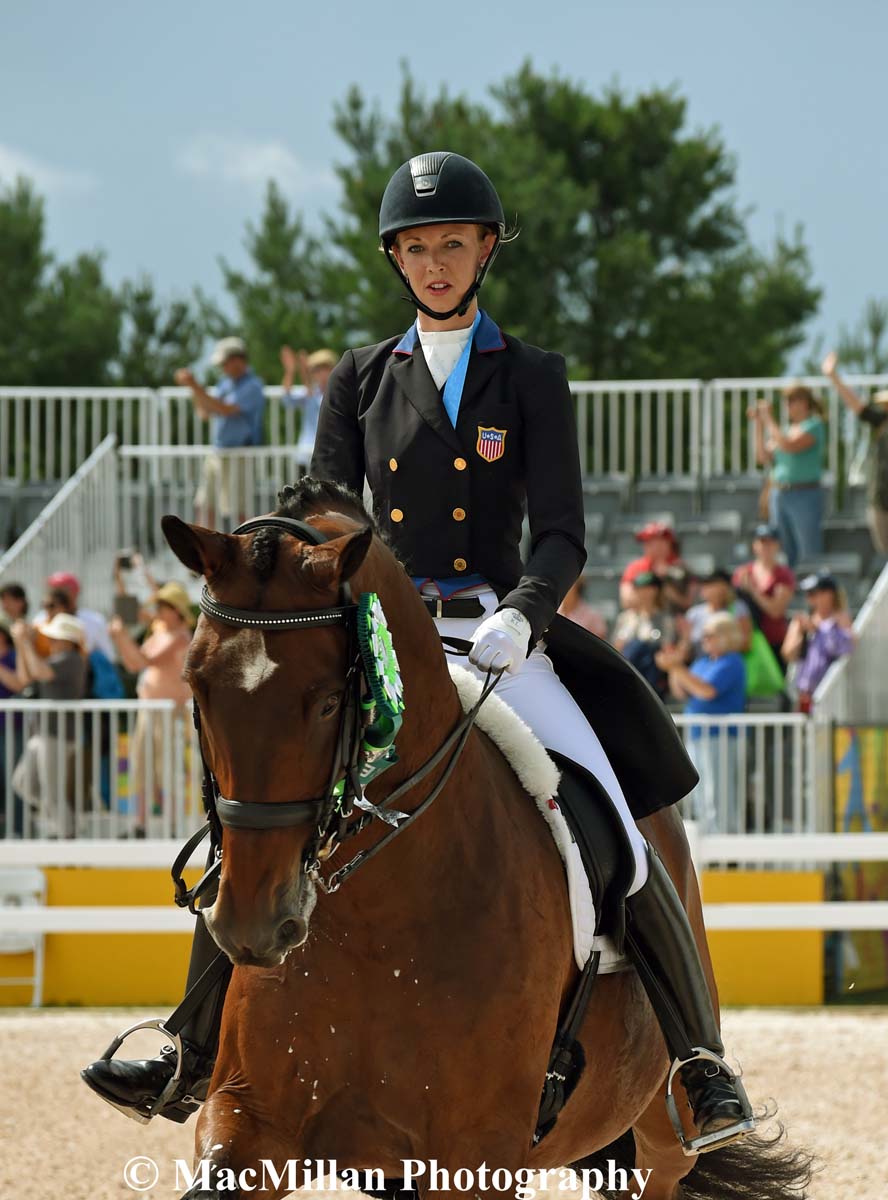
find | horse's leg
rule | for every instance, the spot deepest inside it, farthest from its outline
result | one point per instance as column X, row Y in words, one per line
column 657, row 1149
column 666, row 833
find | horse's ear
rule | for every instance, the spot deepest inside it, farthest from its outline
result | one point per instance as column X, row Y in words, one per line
column 337, row 560
column 201, row 550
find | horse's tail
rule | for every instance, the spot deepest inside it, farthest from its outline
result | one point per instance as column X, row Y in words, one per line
column 755, row 1167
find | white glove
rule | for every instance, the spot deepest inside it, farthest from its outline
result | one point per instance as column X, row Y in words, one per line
column 501, row 642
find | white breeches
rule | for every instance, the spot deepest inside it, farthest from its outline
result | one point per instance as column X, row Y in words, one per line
column 543, row 702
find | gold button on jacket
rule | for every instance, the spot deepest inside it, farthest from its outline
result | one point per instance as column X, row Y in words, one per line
column 459, row 564
column 459, row 514
column 393, row 464
column 460, row 464
column 397, row 515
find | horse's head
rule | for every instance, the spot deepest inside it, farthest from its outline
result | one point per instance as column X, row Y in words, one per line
column 272, row 701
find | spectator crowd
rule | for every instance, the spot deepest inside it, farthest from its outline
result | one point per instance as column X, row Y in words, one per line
column 66, row 652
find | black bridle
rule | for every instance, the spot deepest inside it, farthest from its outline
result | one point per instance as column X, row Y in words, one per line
column 331, row 815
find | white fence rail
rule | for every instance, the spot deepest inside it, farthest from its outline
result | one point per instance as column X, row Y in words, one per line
column 756, row 773
column 105, row 769
column 633, row 428
column 640, row 428
column 728, row 434
column 97, row 769
column 830, row 915
column 46, row 433
column 79, row 526
column 236, row 484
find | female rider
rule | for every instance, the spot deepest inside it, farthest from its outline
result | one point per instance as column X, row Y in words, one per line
column 456, row 426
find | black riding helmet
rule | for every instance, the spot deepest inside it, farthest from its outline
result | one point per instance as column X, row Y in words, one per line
column 435, row 189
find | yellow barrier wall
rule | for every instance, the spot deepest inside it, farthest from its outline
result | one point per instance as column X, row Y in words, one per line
column 760, row 966
column 148, row 969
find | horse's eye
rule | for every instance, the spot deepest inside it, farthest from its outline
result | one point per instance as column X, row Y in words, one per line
column 331, row 704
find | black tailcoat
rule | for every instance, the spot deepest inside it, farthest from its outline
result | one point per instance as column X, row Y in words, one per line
column 451, row 502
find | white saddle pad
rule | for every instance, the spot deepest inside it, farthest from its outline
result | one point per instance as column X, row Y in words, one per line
column 539, row 777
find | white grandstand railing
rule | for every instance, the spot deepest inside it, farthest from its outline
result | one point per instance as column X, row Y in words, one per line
column 761, row 777
column 729, row 436
column 631, row 428
column 47, row 432
column 640, row 427
column 765, row 915
column 70, row 769
column 77, row 530
column 756, row 773
column 156, row 480
column 178, row 424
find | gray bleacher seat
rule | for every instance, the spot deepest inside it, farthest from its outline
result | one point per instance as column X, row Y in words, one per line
column 30, row 501
column 601, row 581
column 700, row 564
column 738, row 492
column 7, row 512
column 844, row 535
column 717, row 533
column 854, row 502
column 680, row 495
column 608, row 494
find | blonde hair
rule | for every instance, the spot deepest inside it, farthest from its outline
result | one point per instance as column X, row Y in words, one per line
column 725, row 627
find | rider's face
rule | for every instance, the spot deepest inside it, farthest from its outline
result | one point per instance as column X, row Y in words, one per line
column 441, row 262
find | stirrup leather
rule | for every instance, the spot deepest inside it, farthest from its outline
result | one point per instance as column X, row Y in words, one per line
column 143, row 1116
column 703, row 1143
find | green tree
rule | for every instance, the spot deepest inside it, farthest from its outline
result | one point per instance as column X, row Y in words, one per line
column 59, row 322
column 863, row 349
column 156, row 338
column 290, row 296
column 633, row 259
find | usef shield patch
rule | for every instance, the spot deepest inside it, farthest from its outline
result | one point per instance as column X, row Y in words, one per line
column 491, row 443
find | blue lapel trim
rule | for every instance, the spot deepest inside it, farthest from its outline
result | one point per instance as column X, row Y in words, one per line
column 488, row 338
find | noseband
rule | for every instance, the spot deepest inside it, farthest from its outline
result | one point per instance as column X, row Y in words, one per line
column 355, row 761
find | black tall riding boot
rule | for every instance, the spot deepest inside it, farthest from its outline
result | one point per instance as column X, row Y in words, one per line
column 662, row 946
column 144, row 1088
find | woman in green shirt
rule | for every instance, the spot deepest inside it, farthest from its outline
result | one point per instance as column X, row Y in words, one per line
column 795, row 456
column 875, row 414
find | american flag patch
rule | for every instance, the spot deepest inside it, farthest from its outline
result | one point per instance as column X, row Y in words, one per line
column 491, row 443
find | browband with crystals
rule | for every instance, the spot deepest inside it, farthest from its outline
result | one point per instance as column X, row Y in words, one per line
column 272, row 620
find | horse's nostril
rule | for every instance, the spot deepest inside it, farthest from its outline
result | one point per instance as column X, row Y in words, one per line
column 292, row 931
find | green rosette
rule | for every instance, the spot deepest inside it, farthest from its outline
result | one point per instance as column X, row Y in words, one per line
column 380, row 660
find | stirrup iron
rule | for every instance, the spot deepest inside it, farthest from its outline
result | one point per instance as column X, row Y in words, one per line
column 705, row 1142
column 144, row 1116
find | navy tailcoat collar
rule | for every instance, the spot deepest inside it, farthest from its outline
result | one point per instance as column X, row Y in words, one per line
column 412, row 374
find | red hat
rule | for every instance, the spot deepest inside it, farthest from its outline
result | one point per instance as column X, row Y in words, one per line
column 655, row 529
column 66, row 582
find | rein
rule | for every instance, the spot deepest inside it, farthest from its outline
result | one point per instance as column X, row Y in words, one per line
column 332, row 813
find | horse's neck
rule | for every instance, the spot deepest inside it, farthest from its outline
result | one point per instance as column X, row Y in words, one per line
column 432, row 707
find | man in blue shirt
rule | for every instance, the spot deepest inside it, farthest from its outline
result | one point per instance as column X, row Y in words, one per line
column 237, row 413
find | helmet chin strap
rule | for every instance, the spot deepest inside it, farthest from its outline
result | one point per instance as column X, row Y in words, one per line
column 460, row 309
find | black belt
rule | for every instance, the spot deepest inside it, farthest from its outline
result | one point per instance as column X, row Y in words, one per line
column 467, row 606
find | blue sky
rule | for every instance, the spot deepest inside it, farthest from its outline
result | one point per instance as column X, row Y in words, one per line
column 152, row 128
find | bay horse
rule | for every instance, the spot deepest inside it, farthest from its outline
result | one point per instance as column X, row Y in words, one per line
column 411, row 1014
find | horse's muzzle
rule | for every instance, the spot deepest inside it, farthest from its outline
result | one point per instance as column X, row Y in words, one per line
column 260, row 947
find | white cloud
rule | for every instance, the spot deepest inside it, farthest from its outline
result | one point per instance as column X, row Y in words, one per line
column 46, row 177
column 250, row 163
